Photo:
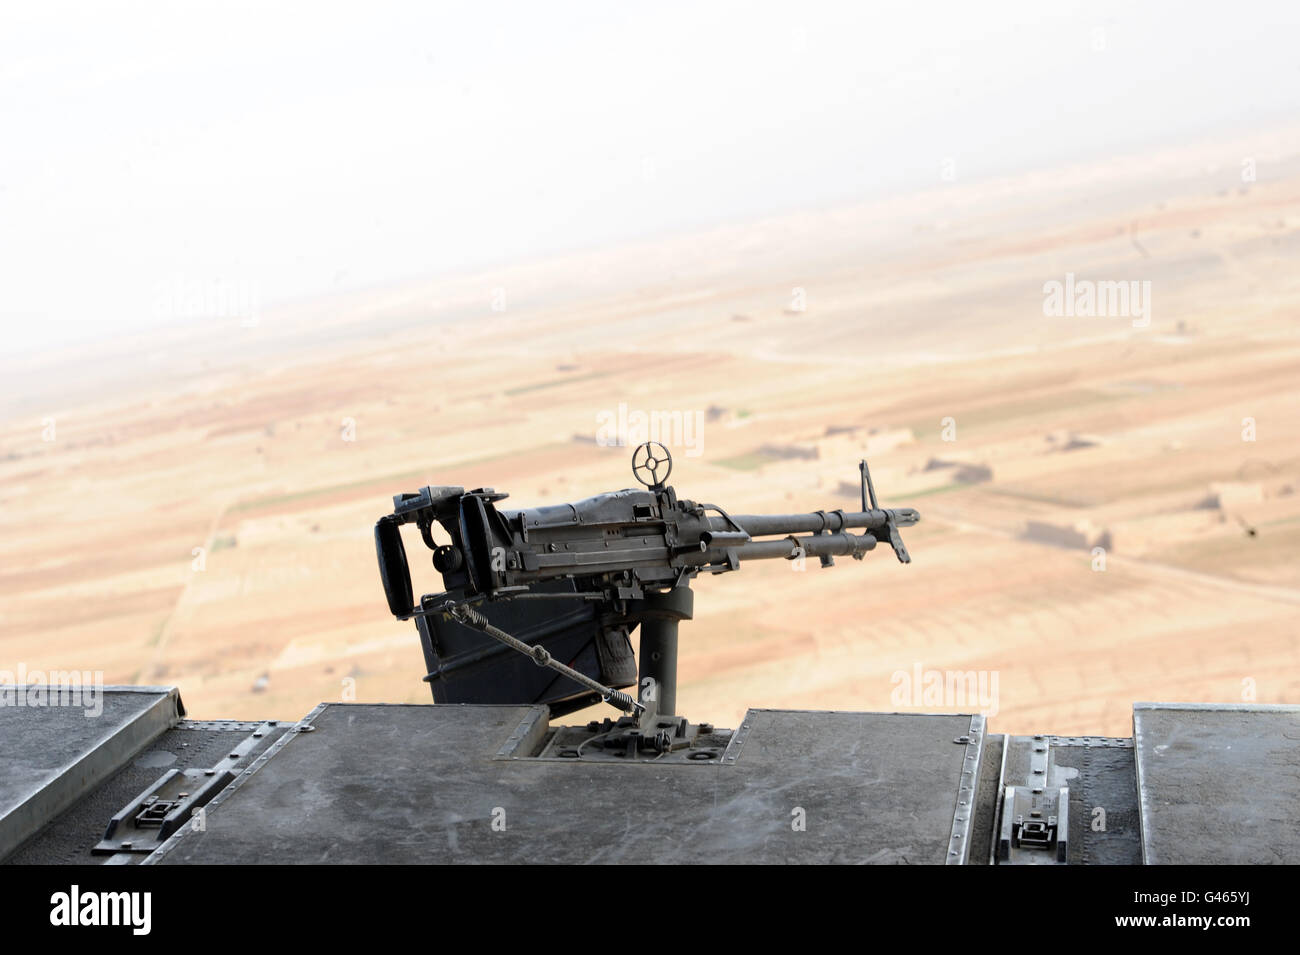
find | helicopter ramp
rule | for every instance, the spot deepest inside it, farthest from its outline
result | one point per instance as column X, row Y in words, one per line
column 134, row 781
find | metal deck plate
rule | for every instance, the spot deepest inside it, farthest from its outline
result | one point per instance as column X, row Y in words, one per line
column 420, row 783
column 51, row 756
column 1218, row 783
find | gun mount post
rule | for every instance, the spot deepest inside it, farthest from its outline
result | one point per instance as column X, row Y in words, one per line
column 661, row 614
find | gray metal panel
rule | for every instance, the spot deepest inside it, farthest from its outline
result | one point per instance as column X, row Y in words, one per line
column 190, row 744
column 1218, row 783
column 1103, row 780
column 420, row 783
column 51, row 756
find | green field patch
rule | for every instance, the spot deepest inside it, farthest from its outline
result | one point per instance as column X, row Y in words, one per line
column 751, row 461
column 1017, row 410
column 1021, row 494
column 396, row 481
column 294, row 497
column 554, row 383
column 941, row 489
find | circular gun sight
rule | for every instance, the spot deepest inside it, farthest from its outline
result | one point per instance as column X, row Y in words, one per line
column 651, row 464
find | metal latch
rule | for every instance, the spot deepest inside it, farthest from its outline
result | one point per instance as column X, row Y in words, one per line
column 155, row 811
column 1035, row 823
column 1036, row 815
column 152, row 817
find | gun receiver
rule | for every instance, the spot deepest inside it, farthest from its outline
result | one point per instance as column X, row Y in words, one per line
column 572, row 581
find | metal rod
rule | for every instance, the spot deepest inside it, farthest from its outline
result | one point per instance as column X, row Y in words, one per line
column 789, row 548
column 472, row 618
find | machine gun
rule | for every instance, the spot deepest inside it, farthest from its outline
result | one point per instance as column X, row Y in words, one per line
column 570, row 582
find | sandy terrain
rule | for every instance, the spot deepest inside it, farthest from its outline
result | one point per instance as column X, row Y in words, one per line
column 912, row 330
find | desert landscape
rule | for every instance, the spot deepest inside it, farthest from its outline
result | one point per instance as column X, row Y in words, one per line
column 1110, row 502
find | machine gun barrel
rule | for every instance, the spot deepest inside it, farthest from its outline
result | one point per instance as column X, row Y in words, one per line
column 791, row 547
column 768, row 525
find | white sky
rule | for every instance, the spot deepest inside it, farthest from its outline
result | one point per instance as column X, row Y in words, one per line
column 298, row 148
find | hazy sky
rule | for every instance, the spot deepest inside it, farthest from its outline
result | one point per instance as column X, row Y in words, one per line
column 264, row 151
